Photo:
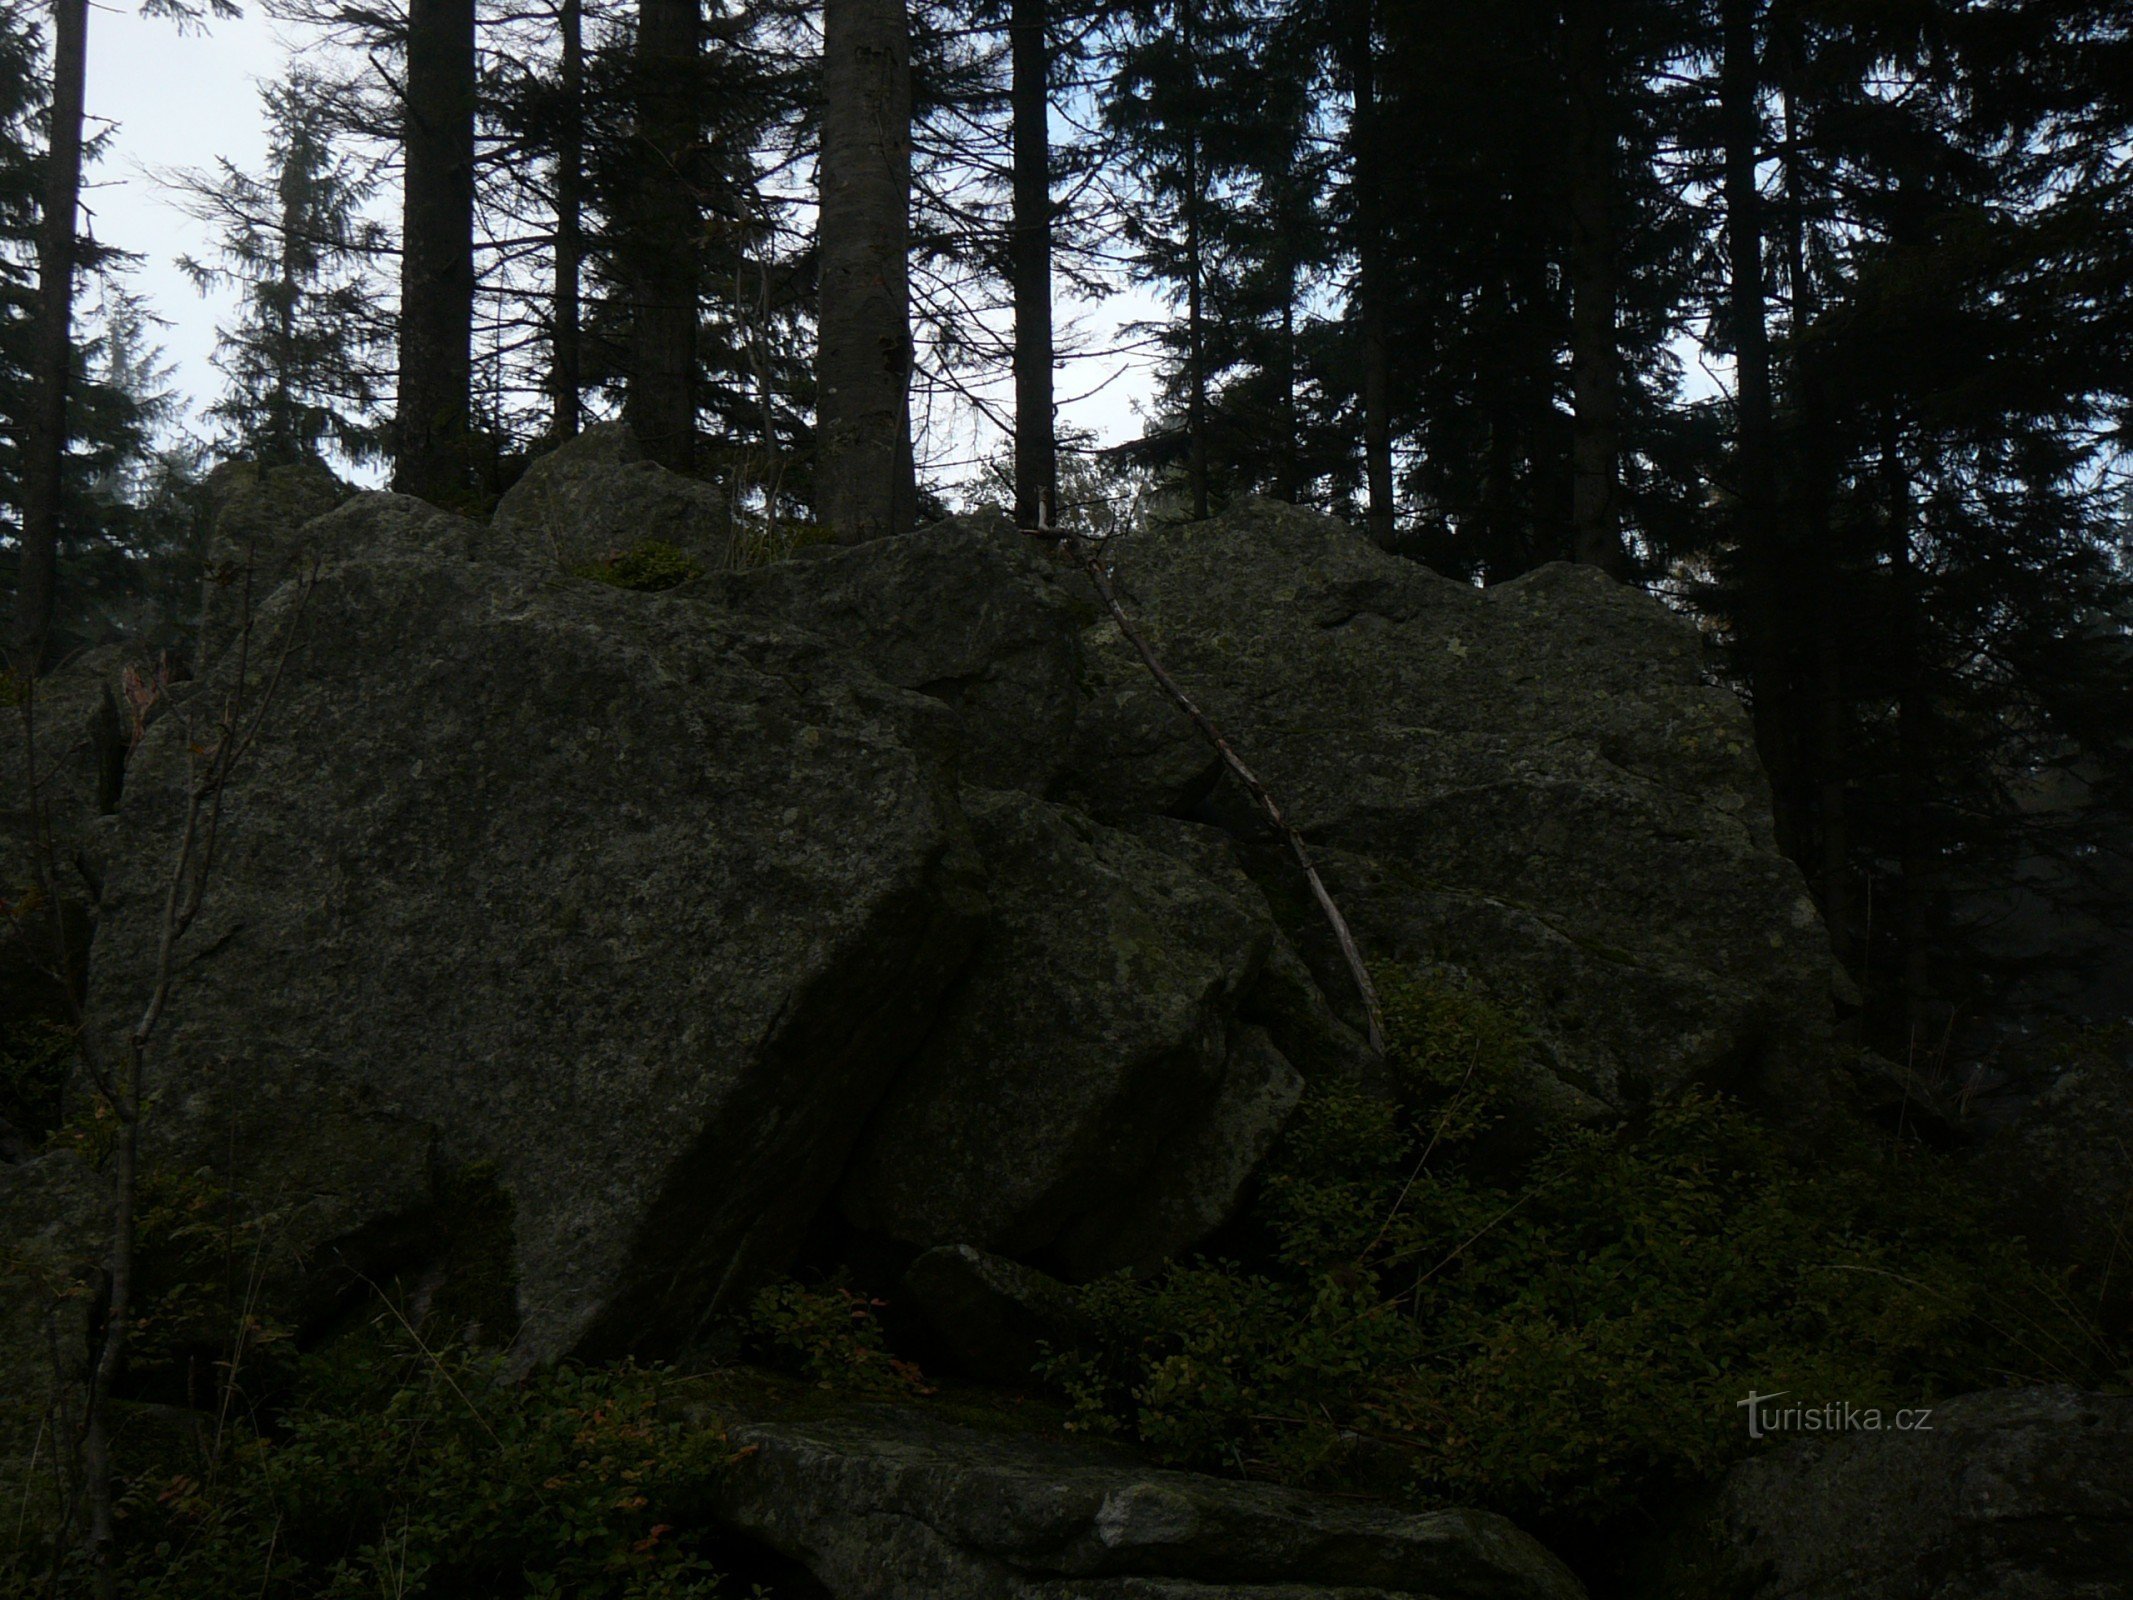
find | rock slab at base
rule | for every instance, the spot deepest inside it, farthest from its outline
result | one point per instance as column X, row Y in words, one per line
column 884, row 1503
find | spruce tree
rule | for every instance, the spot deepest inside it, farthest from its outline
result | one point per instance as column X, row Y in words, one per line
column 303, row 358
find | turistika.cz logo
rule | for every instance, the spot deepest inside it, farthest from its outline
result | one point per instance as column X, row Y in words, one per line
column 1831, row 1416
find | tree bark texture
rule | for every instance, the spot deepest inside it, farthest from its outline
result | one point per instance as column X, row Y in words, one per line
column 863, row 355
column 1595, row 353
column 1036, row 459
column 661, row 260
column 437, row 254
column 45, row 436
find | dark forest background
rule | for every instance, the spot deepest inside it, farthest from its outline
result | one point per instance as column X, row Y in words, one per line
column 1815, row 317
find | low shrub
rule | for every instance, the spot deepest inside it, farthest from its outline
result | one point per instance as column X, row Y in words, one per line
column 401, row 1470
column 829, row 1334
column 1567, row 1335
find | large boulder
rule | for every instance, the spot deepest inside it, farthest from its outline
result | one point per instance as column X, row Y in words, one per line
column 597, row 498
column 631, row 904
column 256, row 542
column 1089, row 1094
column 663, row 907
column 1529, row 786
column 2021, row 1494
column 882, row 1503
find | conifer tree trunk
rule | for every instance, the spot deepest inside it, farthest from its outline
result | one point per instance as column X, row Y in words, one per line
column 1036, row 460
column 1915, row 780
column 437, row 254
column 1195, row 335
column 1595, row 356
column 1811, row 457
column 1372, row 280
column 1764, row 620
column 660, row 247
column 863, row 358
column 45, row 437
column 566, row 377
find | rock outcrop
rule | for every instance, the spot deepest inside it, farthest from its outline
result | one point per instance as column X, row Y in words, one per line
column 884, row 880
column 888, row 1504
column 2020, row 1492
column 879, row 897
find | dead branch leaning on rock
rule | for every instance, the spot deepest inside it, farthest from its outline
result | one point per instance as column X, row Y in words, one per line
column 1090, row 559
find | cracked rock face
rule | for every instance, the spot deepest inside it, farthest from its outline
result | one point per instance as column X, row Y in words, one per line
column 892, row 1504
column 1089, row 1093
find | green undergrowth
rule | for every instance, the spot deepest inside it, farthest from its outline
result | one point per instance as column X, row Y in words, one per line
column 398, row 1467
column 1568, row 1335
column 831, row 1335
column 648, row 567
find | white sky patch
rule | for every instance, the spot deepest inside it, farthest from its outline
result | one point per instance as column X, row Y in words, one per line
column 176, row 101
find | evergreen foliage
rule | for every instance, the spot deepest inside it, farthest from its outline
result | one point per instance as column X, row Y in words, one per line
column 127, row 486
column 303, row 360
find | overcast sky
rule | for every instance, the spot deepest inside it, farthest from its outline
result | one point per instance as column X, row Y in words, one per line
column 182, row 101
column 175, row 102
